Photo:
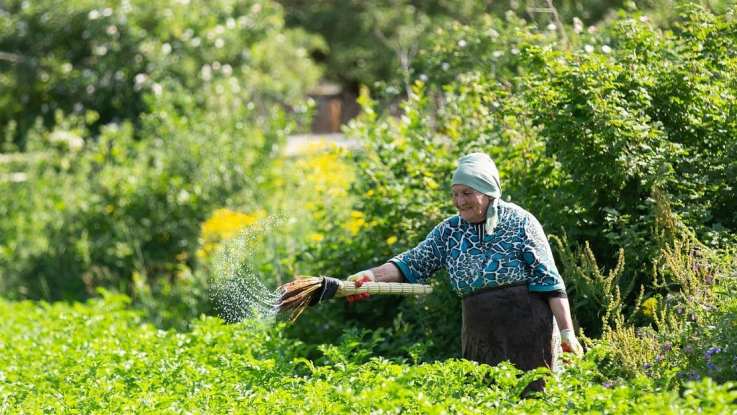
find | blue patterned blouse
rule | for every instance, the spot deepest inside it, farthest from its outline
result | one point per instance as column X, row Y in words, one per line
column 518, row 252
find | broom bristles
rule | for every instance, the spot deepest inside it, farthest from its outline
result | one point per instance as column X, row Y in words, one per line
column 298, row 294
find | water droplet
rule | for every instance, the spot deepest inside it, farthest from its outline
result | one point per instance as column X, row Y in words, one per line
column 235, row 288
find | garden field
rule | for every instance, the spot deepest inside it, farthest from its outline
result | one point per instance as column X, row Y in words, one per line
column 101, row 358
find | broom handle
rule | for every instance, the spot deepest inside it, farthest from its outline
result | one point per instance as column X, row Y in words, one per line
column 399, row 288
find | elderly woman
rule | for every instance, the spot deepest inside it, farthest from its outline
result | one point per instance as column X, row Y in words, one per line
column 500, row 262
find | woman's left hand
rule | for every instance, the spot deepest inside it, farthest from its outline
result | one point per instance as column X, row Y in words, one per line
column 569, row 343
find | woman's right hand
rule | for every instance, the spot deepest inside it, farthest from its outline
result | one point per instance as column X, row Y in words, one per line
column 359, row 278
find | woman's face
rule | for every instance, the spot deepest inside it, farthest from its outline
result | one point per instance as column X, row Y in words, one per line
column 471, row 204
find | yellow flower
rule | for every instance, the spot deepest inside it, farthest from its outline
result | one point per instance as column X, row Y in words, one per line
column 224, row 224
column 355, row 223
column 391, row 240
column 649, row 307
column 317, row 237
column 324, row 169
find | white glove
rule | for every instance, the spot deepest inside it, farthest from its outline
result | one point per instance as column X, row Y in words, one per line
column 359, row 278
column 569, row 343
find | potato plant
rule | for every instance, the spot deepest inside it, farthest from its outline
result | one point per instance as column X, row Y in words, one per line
column 100, row 358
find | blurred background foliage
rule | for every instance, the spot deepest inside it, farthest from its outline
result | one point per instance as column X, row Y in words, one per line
column 117, row 198
column 139, row 137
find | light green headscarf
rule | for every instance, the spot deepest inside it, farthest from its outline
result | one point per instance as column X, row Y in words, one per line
column 478, row 171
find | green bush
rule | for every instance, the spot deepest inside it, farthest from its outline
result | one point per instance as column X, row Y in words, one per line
column 90, row 55
column 649, row 120
column 116, row 199
column 380, row 44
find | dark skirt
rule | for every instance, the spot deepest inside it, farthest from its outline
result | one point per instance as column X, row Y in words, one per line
column 509, row 323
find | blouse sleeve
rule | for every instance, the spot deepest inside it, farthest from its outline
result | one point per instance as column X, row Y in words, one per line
column 537, row 254
column 421, row 262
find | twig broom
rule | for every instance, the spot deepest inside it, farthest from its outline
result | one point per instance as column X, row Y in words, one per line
column 305, row 291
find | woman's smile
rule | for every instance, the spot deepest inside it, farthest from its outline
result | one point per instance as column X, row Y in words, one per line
column 471, row 205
